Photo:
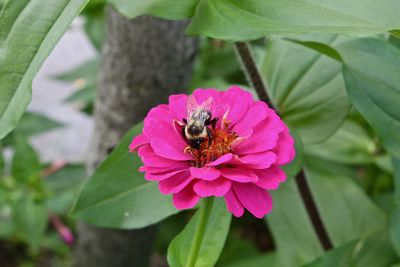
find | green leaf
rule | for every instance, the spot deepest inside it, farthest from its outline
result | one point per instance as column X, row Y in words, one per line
column 87, row 70
column 395, row 40
column 31, row 124
column 246, row 20
column 169, row 9
column 306, row 87
column 83, row 96
column 395, row 33
column 2, row 164
column 95, row 28
column 374, row 251
column 118, row 196
column 338, row 257
column 372, row 78
column 216, row 231
column 257, row 261
column 30, row 219
column 395, row 217
column 347, row 212
column 84, row 78
column 64, row 185
column 320, row 47
column 30, row 32
column 350, row 144
column 25, row 163
column 291, row 228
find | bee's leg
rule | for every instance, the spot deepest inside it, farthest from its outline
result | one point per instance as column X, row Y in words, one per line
column 210, row 136
column 212, row 122
column 184, row 120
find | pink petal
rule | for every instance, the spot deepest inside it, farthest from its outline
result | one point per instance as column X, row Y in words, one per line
column 177, row 106
column 254, row 115
column 270, row 179
column 160, row 162
column 186, row 198
column 238, row 102
column 223, row 159
column 285, row 149
column 175, row 183
column 233, row 205
column 256, row 200
column 264, row 138
column 160, row 124
column 217, row 188
column 165, row 149
column 181, row 165
column 138, row 141
column 163, row 175
column 150, row 158
column 205, row 173
column 239, row 174
column 261, row 160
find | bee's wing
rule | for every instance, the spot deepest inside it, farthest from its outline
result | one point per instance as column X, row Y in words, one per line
column 206, row 105
column 191, row 106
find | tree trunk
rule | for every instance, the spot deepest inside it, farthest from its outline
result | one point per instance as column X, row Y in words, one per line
column 144, row 61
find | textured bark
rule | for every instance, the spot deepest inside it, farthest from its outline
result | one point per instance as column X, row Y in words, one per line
column 144, row 61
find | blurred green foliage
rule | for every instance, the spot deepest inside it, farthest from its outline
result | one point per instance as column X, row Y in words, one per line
column 31, row 193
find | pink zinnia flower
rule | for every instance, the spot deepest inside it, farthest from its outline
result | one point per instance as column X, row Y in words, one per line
column 238, row 159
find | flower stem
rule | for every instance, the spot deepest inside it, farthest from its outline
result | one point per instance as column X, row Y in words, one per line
column 253, row 74
column 204, row 210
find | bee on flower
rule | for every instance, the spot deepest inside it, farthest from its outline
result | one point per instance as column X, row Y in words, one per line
column 215, row 143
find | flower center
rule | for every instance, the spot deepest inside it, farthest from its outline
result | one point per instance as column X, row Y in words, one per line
column 210, row 150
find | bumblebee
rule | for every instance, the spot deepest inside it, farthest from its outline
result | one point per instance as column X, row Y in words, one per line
column 198, row 119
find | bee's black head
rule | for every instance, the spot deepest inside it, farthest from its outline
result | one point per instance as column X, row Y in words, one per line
column 195, row 130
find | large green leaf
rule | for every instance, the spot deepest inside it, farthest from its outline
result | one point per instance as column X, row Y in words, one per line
column 291, row 228
column 374, row 251
column 347, row 212
column 395, row 218
column 243, row 20
column 30, row 30
column 306, row 87
column 252, row 19
column 350, row 144
column 118, row 196
column 169, row 9
column 372, row 76
column 215, row 233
